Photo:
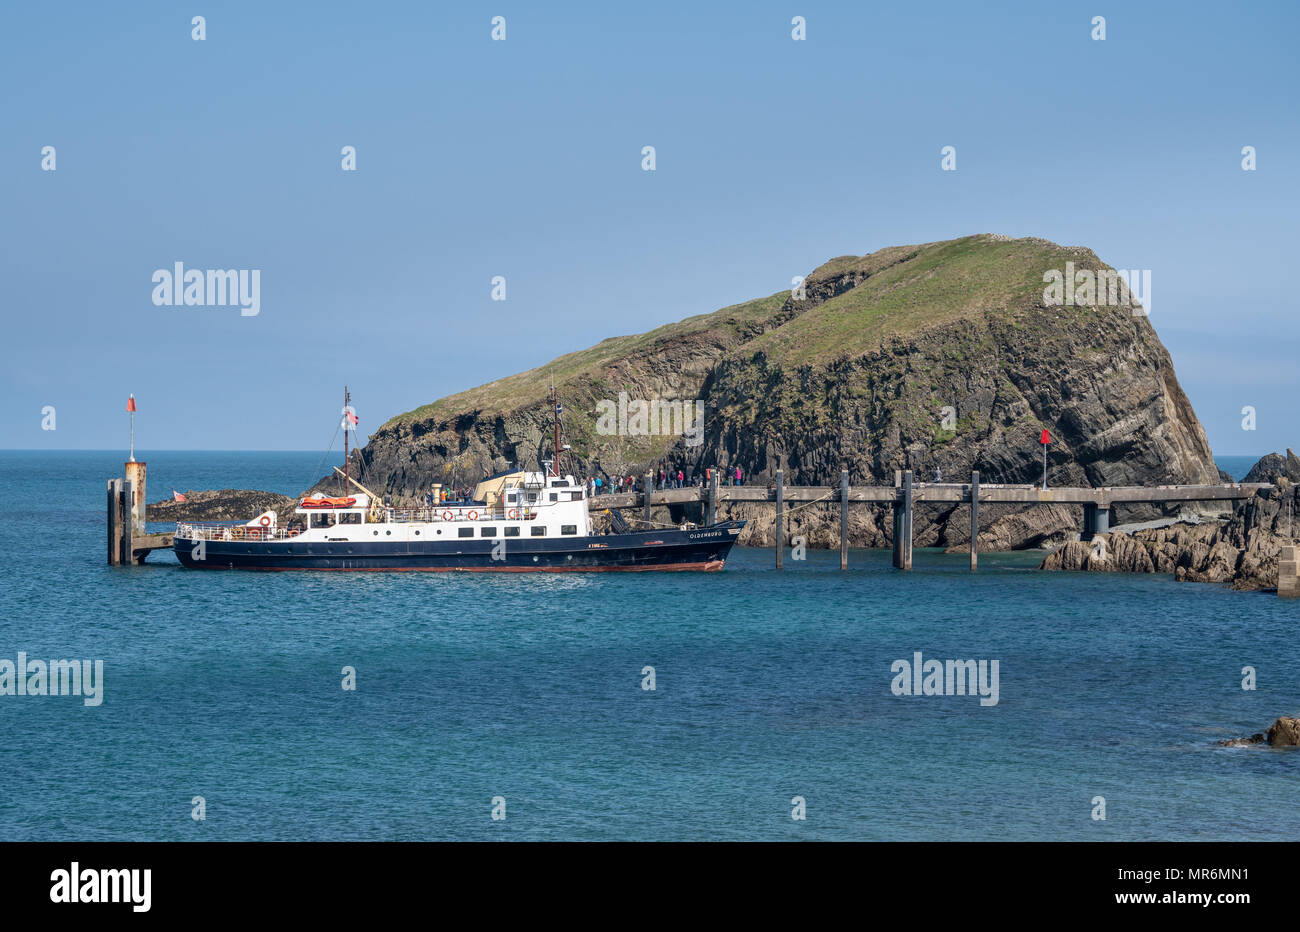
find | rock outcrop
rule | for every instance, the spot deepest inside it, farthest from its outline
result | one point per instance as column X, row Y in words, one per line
column 221, row 505
column 944, row 355
column 1283, row 733
column 1242, row 551
column 1274, row 467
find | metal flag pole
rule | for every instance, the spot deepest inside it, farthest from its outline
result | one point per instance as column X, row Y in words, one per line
column 1045, row 439
column 130, row 407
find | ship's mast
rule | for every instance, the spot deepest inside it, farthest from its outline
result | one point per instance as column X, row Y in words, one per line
column 346, row 480
column 555, row 415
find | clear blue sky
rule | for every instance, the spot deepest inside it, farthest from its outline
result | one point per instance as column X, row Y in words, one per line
column 522, row 158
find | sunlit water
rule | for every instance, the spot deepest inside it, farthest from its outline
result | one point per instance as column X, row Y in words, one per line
column 529, row 687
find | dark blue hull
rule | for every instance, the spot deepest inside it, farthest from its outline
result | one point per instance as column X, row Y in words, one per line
column 701, row 549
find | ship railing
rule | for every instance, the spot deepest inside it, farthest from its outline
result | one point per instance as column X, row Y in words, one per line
column 191, row 531
column 460, row 512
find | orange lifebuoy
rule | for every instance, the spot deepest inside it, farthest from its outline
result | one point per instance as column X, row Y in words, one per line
column 513, row 513
column 446, row 516
column 254, row 533
column 473, row 516
column 293, row 532
column 265, row 520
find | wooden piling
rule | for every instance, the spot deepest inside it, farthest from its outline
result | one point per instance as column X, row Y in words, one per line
column 780, row 516
column 844, row 519
column 974, row 521
column 114, row 546
column 127, row 536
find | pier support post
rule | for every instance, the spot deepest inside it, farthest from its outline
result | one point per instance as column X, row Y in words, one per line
column 648, row 483
column 905, row 531
column 780, row 517
column 1288, row 585
column 135, row 474
column 844, row 519
column 127, row 553
column 974, row 521
column 114, row 526
column 713, row 497
column 1096, row 520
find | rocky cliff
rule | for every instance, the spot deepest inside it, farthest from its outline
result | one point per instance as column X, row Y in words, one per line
column 944, row 355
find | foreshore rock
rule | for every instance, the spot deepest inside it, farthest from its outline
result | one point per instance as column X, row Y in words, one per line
column 1283, row 733
column 1242, row 551
column 222, row 505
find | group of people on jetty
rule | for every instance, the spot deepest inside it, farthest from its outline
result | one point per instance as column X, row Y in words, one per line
column 682, row 478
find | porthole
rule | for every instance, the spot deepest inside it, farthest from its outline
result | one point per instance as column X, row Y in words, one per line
column 376, row 533
column 417, row 533
column 387, row 533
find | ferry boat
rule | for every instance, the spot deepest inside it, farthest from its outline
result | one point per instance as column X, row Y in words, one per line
column 515, row 522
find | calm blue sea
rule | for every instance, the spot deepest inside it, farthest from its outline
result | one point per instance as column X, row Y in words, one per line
column 469, row 687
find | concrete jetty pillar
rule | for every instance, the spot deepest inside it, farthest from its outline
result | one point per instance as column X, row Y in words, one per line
column 713, row 497
column 1096, row 520
column 648, row 485
column 844, row 519
column 974, row 521
column 905, row 529
column 1287, row 585
column 135, row 474
column 780, row 517
column 896, row 513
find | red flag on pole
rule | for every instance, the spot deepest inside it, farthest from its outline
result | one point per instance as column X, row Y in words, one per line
column 178, row 496
column 1046, row 438
column 130, row 402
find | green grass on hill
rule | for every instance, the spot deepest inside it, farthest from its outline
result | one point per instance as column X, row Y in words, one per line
column 903, row 290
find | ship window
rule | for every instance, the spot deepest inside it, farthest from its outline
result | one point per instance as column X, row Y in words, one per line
column 538, row 530
column 512, row 531
column 555, row 497
column 350, row 517
column 322, row 520
column 511, row 497
column 575, row 496
column 487, row 532
column 465, row 532
column 568, row 529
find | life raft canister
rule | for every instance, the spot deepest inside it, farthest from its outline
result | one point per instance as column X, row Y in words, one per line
column 328, row 502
